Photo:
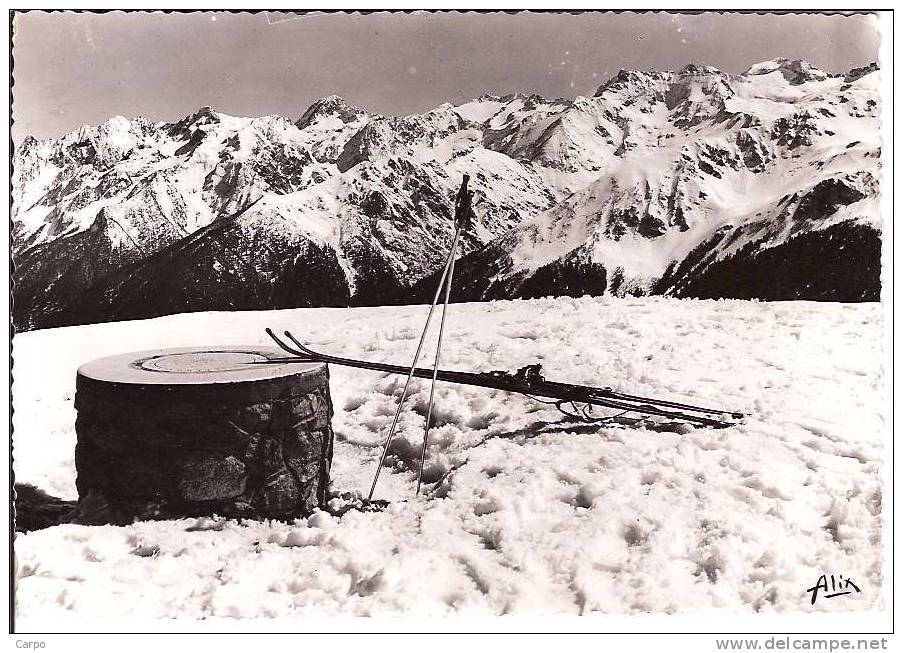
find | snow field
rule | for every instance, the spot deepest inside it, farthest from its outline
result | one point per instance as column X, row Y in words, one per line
column 519, row 515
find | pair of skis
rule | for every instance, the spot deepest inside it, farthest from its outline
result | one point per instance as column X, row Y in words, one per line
column 529, row 381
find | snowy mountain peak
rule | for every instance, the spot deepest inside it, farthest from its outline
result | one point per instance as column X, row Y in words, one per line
column 28, row 144
column 204, row 116
column 637, row 80
column 697, row 93
column 858, row 73
column 329, row 107
column 699, row 69
column 795, row 71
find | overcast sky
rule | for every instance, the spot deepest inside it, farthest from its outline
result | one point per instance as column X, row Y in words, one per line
column 73, row 69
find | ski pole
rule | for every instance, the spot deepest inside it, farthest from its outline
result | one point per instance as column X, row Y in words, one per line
column 429, row 410
column 404, row 393
column 462, row 218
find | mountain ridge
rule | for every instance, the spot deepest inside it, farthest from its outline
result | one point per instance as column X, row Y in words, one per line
column 570, row 195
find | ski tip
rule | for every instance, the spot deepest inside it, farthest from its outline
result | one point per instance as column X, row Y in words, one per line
column 300, row 345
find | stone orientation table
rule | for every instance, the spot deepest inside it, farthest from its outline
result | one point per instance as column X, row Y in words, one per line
column 199, row 431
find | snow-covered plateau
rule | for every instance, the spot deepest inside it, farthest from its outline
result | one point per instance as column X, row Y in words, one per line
column 519, row 516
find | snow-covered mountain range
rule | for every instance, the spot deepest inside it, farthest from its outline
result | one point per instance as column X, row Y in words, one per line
column 689, row 183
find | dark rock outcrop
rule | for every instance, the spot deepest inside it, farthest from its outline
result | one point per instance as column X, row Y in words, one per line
column 841, row 263
column 35, row 509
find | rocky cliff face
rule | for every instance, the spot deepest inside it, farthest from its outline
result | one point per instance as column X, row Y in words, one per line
column 649, row 186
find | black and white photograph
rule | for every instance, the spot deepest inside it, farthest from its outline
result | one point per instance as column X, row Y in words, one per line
column 416, row 315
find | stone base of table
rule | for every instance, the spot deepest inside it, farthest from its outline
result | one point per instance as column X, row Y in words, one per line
column 191, row 445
